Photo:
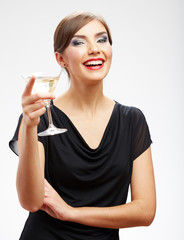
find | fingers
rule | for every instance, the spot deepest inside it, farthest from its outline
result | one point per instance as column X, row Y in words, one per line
column 49, row 190
column 47, row 187
column 50, row 193
column 44, row 207
column 29, row 86
column 33, row 107
column 28, row 91
column 34, row 115
column 26, row 100
column 46, row 183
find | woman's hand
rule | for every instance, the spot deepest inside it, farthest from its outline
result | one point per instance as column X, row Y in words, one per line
column 54, row 205
column 33, row 104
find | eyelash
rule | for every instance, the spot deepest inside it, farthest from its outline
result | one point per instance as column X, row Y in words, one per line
column 102, row 39
column 79, row 42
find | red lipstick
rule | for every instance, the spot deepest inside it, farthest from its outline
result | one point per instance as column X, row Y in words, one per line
column 94, row 63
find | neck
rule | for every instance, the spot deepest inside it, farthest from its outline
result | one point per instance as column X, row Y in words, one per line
column 86, row 97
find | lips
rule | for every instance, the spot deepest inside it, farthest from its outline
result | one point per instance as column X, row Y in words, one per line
column 94, row 63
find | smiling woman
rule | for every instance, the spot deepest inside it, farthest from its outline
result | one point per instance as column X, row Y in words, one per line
column 89, row 49
column 75, row 184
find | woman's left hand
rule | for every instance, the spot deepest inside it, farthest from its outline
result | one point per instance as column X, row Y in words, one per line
column 54, row 205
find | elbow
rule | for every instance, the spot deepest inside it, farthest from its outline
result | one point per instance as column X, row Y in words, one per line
column 30, row 201
column 149, row 217
column 31, row 207
column 146, row 213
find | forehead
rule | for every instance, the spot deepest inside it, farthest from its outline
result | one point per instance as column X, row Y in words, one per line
column 91, row 28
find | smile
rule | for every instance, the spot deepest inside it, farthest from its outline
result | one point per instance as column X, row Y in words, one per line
column 94, row 64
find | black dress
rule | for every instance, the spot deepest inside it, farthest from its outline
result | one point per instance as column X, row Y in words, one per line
column 87, row 177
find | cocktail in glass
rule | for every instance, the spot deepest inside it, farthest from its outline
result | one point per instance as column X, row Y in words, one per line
column 46, row 83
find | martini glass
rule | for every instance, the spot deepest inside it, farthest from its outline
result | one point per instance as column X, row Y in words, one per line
column 46, row 83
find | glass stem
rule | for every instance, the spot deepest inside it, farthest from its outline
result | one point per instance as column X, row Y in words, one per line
column 49, row 112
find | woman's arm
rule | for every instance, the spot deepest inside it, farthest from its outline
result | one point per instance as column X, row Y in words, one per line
column 30, row 173
column 139, row 212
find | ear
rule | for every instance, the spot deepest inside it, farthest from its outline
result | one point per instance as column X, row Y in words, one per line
column 59, row 59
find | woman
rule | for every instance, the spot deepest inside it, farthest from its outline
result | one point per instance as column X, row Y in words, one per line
column 75, row 184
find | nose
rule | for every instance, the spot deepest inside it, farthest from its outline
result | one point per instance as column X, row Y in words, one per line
column 93, row 49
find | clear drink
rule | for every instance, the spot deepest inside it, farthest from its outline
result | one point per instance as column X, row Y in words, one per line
column 44, row 84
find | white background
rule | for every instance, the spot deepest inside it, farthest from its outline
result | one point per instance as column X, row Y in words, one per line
column 147, row 72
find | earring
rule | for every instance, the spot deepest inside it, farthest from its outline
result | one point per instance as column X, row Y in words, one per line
column 64, row 64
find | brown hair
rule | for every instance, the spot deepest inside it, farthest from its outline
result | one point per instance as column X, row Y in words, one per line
column 70, row 25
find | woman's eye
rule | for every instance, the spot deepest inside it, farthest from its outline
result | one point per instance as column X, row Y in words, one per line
column 77, row 42
column 102, row 39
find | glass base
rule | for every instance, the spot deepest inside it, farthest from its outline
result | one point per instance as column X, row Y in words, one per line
column 52, row 130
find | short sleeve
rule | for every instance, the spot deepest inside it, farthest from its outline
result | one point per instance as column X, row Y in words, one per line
column 141, row 139
column 41, row 127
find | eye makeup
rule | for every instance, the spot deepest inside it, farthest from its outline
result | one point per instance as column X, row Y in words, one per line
column 77, row 42
column 103, row 39
column 80, row 39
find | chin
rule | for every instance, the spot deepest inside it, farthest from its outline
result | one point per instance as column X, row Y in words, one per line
column 96, row 76
column 95, row 79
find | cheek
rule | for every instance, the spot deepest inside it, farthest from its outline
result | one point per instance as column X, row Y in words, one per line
column 109, row 52
column 74, row 56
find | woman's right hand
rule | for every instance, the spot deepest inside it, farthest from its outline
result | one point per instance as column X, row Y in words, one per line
column 33, row 105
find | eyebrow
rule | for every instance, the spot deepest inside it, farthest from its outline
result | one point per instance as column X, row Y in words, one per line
column 96, row 35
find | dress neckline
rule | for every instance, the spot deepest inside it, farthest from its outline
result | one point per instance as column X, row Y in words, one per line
column 105, row 133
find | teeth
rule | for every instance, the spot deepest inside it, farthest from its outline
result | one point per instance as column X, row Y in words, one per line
column 99, row 62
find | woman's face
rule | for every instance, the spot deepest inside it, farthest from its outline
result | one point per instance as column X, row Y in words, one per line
column 88, row 56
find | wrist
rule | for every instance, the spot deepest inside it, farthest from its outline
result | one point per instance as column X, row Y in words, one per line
column 27, row 126
column 73, row 214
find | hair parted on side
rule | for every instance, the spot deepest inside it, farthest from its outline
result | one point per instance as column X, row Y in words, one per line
column 70, row 25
